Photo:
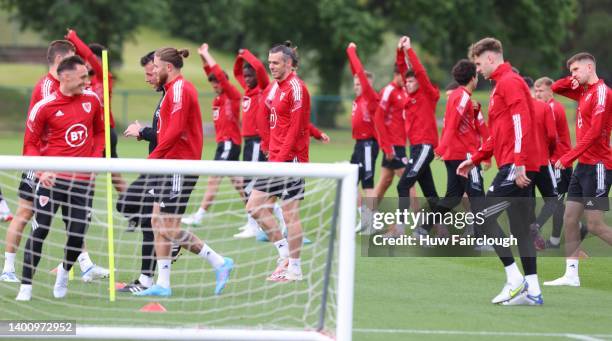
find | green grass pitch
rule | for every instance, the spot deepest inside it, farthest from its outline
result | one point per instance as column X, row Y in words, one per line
column 395, row 298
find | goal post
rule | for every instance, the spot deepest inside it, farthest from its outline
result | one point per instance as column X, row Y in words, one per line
column 325, row 301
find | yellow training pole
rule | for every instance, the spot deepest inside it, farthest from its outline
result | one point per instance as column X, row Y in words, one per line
column 109, row 181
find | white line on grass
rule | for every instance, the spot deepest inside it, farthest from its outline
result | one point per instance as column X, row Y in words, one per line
column 573, row 336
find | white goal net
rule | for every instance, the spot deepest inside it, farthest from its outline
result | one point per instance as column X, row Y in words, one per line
column 250, row 306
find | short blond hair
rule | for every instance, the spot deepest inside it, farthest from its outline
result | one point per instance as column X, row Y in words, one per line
column 543, row 81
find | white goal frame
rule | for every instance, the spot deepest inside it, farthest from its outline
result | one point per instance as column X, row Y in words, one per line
column 344, row 173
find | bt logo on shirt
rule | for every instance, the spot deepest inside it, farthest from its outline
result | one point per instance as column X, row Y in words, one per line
column 272, row 118
column 215, row 113
column 76, row 135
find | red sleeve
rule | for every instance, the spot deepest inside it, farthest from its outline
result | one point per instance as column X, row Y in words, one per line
column 175, row 126
column 563, row 87
column 85, row 52
column 485, row 152
column 481, row 124
column 207, row 70
column 421, row 76
column 519, row 108
column 400, row 61
column 551, row 129
column 263, row 124
column 35, row 125
column 600, row 113
column 314, row 131
column 451, row 123
column 260, row 70
column 297, row 109
column 357, row 70
column 238, row 71
column 228, row 88
column 99, row 137
column 379, row 123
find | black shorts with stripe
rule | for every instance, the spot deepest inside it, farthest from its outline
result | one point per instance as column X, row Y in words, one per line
column 27, row 186
column 227, row 151
column 365, row 153
column 563, row 177
column 399, row 161
column 252, row 150
column 590, row 185
column 172, row 192
column 285, row 188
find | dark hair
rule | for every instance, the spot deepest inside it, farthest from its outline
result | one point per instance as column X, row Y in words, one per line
column 484, row 45
column 69, row 63
column 289, row 50
column 409, row 74
column 172, row 56
column 529, row 81
column 213, row 78
column 59, row 47
column 451, row 86
column 97, row 49
column 463, row 71
column 580, row 57
column 147, row 58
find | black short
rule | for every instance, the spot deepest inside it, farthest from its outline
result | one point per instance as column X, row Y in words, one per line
column 546, row 182
column 172, row 192
column 285, row 188
column 365, row 153
column 227, row 151
column 27, row 186
column 563, row 177
column 504, row 184
column 136, row 202
column 590, row 185
column 113, row 143
column 252, row 150
column 399, row 161
column 75, row 197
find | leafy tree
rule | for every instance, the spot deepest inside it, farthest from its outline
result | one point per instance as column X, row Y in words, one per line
column 106, row 22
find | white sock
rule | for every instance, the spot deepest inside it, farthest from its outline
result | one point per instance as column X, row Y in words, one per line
column 4, row 209
column 533, row 286
column 84, row 261
column 163, row 276
column 145, row 280
column 295, row 265
column 61, row 272
column 9, row 262
column 211, row 256
column 571, row 267
column 513, row 275
column 25, row 288
column 251, row 223
column 278, row 213
column 201, row 212
column 555, row 240
column 283, row 248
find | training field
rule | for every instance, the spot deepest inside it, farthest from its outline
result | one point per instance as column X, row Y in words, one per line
column 395, row 298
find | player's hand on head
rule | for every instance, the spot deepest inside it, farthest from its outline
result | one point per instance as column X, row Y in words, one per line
column 352, row 45
column 521, row 177
column 324, row 138
column 47, row 179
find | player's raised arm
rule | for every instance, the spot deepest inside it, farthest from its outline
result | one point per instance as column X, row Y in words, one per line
column 419, row 71
column 358, row 71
